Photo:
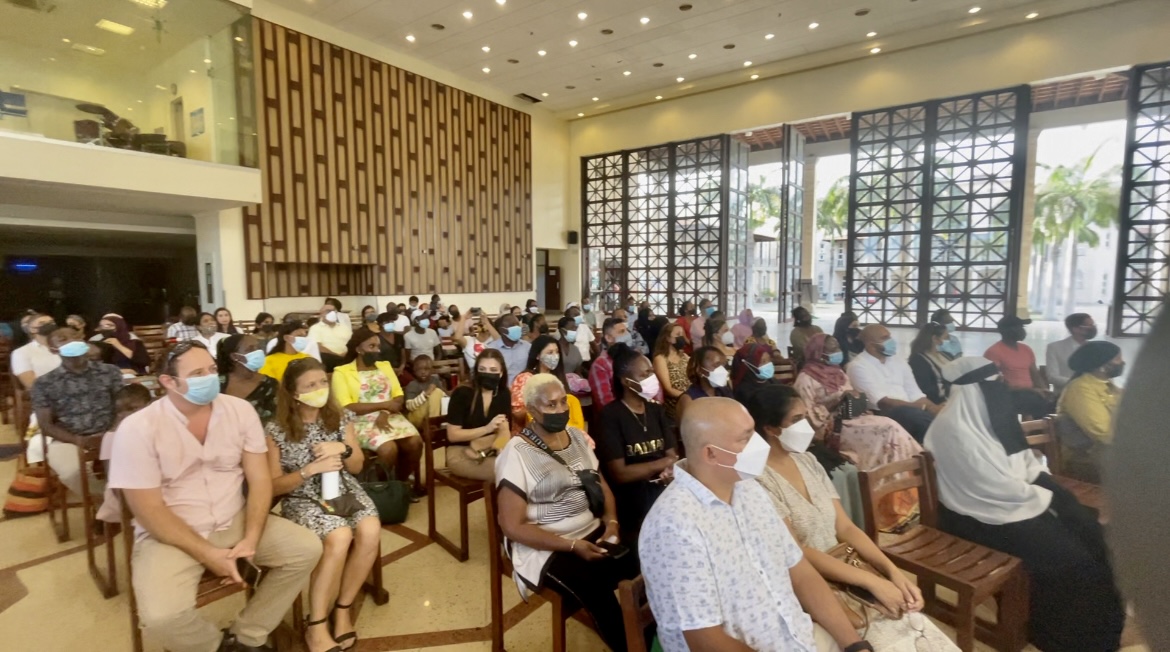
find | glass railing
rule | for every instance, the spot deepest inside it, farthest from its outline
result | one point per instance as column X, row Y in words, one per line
column 156, row 76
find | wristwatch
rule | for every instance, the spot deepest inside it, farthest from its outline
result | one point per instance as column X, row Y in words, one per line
column 347, row 453
column 858, row 647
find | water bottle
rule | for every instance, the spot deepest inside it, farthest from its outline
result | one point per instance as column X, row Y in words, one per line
column 330, row 485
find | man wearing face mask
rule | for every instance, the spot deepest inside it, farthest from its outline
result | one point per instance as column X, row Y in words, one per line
column 187, row 327
column 1081, row 329
column 181, row 465
column 74, row 404
column 637, row 342
column 570, row 334
column 584, row 337
column 1017, row 362
column 722, row 571
column 1090, row 402
column 331, row 333
column 587, row 313
column 423, row 340
column 511, row 345
column 613, row 331
column 888, row 382
column 36, row 358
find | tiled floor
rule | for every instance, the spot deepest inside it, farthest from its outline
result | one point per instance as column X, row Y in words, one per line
column 48, row 601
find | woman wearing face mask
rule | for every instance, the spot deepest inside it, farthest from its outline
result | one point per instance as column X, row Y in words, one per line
column 534, row 326
column 265, row 326
column 223, row 322
column 927, row 361
column 551, row 525
column 806, row 499
column 567, row 345
column 1088, row 409
column 670, row 366
column 209, row 335
column 369, row 388
column 389, row 342
column 717, row 333
column 543, row 358
column 637, row 446
column 950, row 348
column 313, row 456
column 240, row 358
column 478, row 417
column 708, row 376
column 369, row 315
column 119, row 349
column 291, row 341
column 847, row 332
column 751, row 369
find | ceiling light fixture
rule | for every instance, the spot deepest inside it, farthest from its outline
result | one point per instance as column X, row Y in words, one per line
column 544, row 94
column 541, row 52
column 769, row 37
column 410, row 38
column 65, row 40
column 239, row 39
column 486, row 48
column 1032, row 15
column 207, row 61
column 870, row 34
column 627, row 73
column 468, row 15
column 692, row 56
column 501, row 2
column 658, row 97
column 974, row 10
column 486, row 70
column 747, row 64
column 874, row 50
column 572, row 44
column 644, row 20
column 582, row 15
column 116, row 28
column 755, row 76
column 813, row 25
column 679, row 79
column 192, row 71
column 153, row 4
column 580, row 115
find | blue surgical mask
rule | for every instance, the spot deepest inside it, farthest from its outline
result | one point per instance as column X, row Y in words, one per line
column 587, row 307
column 388, row 327
column 951, row 327
column 709, row 310
column 74, row 349
column 765, row 371
column 570, row 336
column 202, row 390
column 254, row 360
column 836, row 358
column 579, row 319
column 424, row 323
column 300, row 344
column 951, row 347
column 624, row 338
column 513, row 333
column 890, row 348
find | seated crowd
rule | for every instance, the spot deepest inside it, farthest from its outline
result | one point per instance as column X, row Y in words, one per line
column 580, row 423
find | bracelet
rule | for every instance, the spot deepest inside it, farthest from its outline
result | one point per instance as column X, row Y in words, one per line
column 572, row 545
column 301, row 472
column 613, row 520
column 858, row 647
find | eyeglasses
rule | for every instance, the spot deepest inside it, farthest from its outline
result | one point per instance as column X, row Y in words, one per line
column 183, row 347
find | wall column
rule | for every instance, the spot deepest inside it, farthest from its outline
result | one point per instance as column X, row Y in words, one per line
column 808, row 253
column 1027, row 217
column 219, row 242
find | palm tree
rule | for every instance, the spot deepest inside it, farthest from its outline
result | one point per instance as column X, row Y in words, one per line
column 1070, row 207
column 833, row 220
column 766, row 202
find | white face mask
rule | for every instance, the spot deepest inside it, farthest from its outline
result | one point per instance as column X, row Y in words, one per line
column 650, row 387
column 718, row 377
column 751, row 461
column 728, row 338
column 797, row 437
column 331, row 316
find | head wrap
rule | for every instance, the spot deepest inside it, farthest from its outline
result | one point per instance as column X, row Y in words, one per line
column 1092, row 355
column 830, row 376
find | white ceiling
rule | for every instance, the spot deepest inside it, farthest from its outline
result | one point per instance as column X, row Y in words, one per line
column 518, row 29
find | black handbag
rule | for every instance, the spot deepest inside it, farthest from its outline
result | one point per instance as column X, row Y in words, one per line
column 590, row 478
column 391, row 498
column 852, row 407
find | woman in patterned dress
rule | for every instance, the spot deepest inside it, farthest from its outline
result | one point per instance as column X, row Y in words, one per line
column 310, row 435
column 670, row 365
column 804, row 496
column 369, row 388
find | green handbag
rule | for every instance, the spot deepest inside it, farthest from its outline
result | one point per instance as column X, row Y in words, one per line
column 392, row 498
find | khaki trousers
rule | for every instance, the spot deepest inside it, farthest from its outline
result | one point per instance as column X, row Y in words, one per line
column 166, row 579
column 432, row 408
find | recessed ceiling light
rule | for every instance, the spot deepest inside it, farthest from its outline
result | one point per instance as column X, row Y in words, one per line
column 580, row 115
column 769, row 37
column 874, row 50
column 541, row 52
column 870, row 34
column 627, row 73
column 65, row 40
column 644, row 19
column 974, row 10
column 410, row 37
column 192, row 71
column 746, row 64
column 679, row 79
column 658, row 97
column 596, row 98
column 501, row 2
column 544, row 94
column 692, row 56
column 582, row 15
column 140, row 101
column 239, row 39
column 813, row 25
column 153, row 4
column 207, row 61
column 116, row 28
column 486, row 48
column 1032, row 15
column 572, row 44
column 487, row 70
column 468, row 15
column 755, row 76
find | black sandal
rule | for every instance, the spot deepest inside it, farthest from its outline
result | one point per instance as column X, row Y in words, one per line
column 314, row 623
column 344, row 637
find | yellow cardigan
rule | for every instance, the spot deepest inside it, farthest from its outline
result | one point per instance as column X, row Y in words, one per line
column 347, row 382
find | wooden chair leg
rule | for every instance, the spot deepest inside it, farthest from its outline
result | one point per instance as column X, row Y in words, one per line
column 376, row 586
column 497, row 609
column 464, row 547
column 965, row 623
column 1012, row 618
column 560, row 643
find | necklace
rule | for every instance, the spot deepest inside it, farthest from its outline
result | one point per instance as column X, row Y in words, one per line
column 640, row 418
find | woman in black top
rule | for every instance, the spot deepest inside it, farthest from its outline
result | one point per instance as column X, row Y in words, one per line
column 847, row 332
column 927, row 362
column 389, row 342
column 478, row 418
column 239, row 359
column 636, row 445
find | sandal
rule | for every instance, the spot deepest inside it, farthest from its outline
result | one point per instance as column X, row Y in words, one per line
column 314, row 623
column 344, row 637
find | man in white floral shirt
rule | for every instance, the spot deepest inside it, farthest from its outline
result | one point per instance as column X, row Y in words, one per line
column 722, row 571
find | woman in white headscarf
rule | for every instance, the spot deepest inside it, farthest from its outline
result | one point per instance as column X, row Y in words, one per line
column 995, row 492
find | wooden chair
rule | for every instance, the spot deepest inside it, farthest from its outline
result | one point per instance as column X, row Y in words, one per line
column 107, row 582
column 1041, row 436
column 636, row 613
column 154, row 337
column 7, row 382
column 58, row 497
column 975, row 573
column 469, row 491
column 500, row 567
column 450, row 368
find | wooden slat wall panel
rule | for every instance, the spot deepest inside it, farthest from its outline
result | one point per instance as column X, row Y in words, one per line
column 379, row 181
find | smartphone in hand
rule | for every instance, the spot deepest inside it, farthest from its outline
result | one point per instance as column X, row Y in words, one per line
column 249, row 572
column 615, row 550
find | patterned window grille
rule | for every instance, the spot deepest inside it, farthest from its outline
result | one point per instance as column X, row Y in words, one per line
column 667, row 223
column 1143, row 261
column 935, row 209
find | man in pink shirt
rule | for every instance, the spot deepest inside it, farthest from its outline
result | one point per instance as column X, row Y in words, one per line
column 181, row 464
column 1017, row 362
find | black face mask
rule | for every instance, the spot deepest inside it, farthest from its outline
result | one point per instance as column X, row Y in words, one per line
column 1114, row 370
column 454, row 313
column 1091, row 333
column 854, row 332
column 488, row 381
column 191, row 321
column 47, row 329
column 267, row 328
column 544, row 329
column 107, row 332
column 555, row 422
column 368, row 358
column 680, row 343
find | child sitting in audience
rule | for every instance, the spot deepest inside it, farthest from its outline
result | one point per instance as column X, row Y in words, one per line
column 130, row 399
column 424, row 394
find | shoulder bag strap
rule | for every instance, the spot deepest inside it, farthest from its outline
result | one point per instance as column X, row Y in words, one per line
column 536, row 441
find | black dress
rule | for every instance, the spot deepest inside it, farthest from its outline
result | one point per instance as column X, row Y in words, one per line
column 635, row 439
column 928, row 376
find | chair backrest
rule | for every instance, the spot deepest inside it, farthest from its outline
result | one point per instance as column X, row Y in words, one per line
column 914, row 473
column 636, row 613
column 436, row 432
column 1041, row 436
column 450, row 367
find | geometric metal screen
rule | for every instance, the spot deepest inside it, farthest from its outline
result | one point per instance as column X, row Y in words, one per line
column 667, row 223
column 1143, row 261
column 935, row 207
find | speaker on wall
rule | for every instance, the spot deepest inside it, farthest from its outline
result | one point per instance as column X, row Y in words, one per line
column 574, row 238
